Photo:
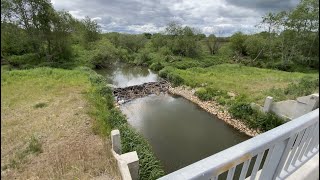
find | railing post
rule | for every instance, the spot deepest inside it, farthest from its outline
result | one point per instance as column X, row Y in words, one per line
column 267, row 104
column 116, row 142
column 268, row 170
column 316, row 103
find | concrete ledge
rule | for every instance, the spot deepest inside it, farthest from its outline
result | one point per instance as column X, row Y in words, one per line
column 309, row 171
column 128, row 163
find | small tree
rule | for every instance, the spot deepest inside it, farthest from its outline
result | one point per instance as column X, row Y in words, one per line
column 212, row 44
column 237, row 43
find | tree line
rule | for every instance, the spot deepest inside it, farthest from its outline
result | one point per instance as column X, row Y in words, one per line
column 33, row 32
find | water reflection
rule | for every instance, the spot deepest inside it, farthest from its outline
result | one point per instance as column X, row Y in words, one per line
column 179, row 131
column 122, row 75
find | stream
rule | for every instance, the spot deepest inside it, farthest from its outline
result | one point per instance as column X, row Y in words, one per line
column 179, row 132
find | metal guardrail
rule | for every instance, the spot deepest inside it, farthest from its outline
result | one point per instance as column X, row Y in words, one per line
column 286, row 147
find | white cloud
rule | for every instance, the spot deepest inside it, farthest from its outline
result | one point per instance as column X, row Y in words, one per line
column 149, row 28
column 136, row 16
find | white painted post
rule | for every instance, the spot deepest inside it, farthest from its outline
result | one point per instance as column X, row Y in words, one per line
column 132, row 161
column 267, row 104
column 269, row 169
column 116, row 142
column 316, row 103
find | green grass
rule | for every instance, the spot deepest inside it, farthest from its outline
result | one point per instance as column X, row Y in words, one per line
column 101, row 108
column 249, row 84
column 253, row 82
column 50, row 80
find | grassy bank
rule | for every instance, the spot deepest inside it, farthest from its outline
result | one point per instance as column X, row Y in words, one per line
column 38, row 112
column 108, row 117
column 255, row 83
column 236, row 86
column 46, row 129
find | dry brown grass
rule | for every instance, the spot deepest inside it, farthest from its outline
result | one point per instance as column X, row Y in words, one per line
column 70, row 150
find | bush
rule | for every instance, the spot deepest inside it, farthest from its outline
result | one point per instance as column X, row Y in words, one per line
column 185, row 64
column 23, row 60
column 203, row 94
column 167, row 73
column 305, row 86
column 165, row 51
column 254, row 45
column 142, row 58
column 254, row 118
column 226, row 50
column 210, row 93
column 237, row 43
column 156, row 66
column 175, row 79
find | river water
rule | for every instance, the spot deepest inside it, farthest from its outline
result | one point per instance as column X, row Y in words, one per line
column 179, row 132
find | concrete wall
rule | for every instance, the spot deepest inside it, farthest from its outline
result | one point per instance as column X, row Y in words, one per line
column 128, row 163
column 291, row 109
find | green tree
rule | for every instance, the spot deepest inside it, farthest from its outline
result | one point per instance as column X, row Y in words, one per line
column 237, row 43
column 255, row 46
column 212, row 44
column 91, row 30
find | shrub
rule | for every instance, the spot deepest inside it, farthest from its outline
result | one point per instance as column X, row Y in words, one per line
column 96, row 79
column 226, row 50
column 305, row 86
column 40, row 105
column 35, row 146
column 165, row 51
column 241, row 110
column 254, row 45
column 142, row 58
column 211, row 93
column 156, row 66
column 186, row 64
column 254, row 118
column 175, row 79
column 202, row 94
column 168, row 73
column 18, row 61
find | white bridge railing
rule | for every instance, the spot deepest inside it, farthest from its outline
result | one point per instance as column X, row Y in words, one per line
column 285, row 148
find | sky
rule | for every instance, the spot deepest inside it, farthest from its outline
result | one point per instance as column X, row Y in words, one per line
column 220, row 17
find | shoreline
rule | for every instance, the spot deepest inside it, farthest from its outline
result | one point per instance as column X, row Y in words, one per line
column 213, row 108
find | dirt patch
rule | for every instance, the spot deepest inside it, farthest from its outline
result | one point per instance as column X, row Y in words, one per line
column 70, row 150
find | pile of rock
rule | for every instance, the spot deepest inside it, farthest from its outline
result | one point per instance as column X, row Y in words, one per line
column 213, row 108
column 131, row 92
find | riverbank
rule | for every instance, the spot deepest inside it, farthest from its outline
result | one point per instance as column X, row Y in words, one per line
column 213, row 108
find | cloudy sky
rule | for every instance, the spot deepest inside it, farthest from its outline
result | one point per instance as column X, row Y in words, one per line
column 221, row 17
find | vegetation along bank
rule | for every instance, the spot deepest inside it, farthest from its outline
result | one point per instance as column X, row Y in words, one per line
column 280, row 60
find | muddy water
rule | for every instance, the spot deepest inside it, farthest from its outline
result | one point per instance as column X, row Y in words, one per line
column 179, row 132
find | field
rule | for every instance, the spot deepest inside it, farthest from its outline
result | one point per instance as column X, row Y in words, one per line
column 46, row 129
column 255, row 83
